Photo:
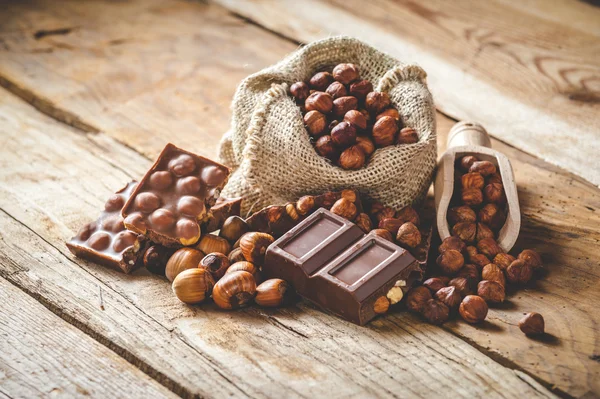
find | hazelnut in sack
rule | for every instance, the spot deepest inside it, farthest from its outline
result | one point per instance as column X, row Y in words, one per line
column 337, row 113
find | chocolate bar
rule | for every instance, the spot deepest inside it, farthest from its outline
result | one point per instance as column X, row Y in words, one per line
column 175, row 197
column 331, row 262
column 106, row 241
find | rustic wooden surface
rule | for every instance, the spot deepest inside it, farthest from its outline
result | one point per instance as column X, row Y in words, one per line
column 130, row 76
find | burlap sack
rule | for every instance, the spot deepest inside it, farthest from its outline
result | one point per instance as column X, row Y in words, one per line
column 269, row 149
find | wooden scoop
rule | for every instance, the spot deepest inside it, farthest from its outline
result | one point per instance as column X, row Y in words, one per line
column 468, row 138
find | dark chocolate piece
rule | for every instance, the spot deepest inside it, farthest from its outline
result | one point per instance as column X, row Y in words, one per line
column 175, row 197
column 331, row 262
column 106, row 241
column 221, row 210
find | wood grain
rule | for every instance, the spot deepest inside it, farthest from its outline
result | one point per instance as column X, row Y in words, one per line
column 293, row 352
column 560, row 218
column 531, row 78
column 44, row 356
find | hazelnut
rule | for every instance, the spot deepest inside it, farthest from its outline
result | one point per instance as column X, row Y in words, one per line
column 156, row 258
column 491, row 291
column 417, row 298
column 376, row 102
column 384, row 131
column 483, row 231
column 320, row 81
column 350, row 195
column 392, row 112
column 364, row 222
column 466, row 231
column 452, row 242
column 305, row 204
column 470, row 272
column 434, row 284
column 532, row 324
column 383, row 233
column 216, row 263
column 408, row 235
column 472, row 180
column 345, row 73
column 328, row 199
column 479, row 260
column 494, row 192
column 486, row 168
column 325, row 147
column 385, row 213
column 343, row 135
column 192, row 286
column 366, row 145
column 254, row 245
column 461, row 214
column 467, row 161
column 391, row 224
column 494, row 178
column 333, row 124
column 272, row 293
column 319, row 101
column 450, row 261
column 352, row 158
column 243, row 266
column 519, row 272
column 336, row 90
column 463, row 285
column 356, row 119
column 408, row 214
column 234, row 290
column 503, row 260
column 491, row 272
column 233, row 228
column 182, row 259
column 360, row 89
column 531, row 258
column 491, row 215
column 315, row 122
column 236, row 255
column 212, row 243
column 300, row 91
column 489, row 247
column 472, row 196
column 381, row 305
column 449, row 296
column 473, row 309
column 344, row 208
column 344, row 104
column 407, row 135
column 366, row 114
column 395, row 294
column 435, row 312
column 292, row 212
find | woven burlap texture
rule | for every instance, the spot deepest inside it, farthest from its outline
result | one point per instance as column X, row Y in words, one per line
column 270, row 152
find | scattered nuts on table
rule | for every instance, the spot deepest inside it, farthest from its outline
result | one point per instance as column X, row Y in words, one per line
column 346, row 119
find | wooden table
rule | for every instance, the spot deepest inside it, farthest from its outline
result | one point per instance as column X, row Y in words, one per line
column 91, row 91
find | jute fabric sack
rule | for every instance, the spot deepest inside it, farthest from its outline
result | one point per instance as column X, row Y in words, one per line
column 269, row 149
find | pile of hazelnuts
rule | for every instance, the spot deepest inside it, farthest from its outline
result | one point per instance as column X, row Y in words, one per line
column 346, row 119
column 224, row 267
column 473, row 271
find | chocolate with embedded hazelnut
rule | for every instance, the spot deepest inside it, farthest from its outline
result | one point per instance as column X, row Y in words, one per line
column 174, row 197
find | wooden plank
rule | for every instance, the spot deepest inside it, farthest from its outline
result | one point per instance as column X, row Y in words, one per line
column 42, row 356
column 146, row 72
column 53, row 179
column 552, row 217
column 530, row 77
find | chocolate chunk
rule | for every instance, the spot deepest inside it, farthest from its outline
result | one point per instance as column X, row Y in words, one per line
column 106, row 241
column 175, row 197
column 331, row 262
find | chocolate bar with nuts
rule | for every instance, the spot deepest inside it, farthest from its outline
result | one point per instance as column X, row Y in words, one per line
column 221, row 210
column 331, row 262
column 175, row 197
column 106, row 241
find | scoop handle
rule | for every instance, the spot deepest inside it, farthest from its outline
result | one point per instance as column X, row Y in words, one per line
column 468, row 133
